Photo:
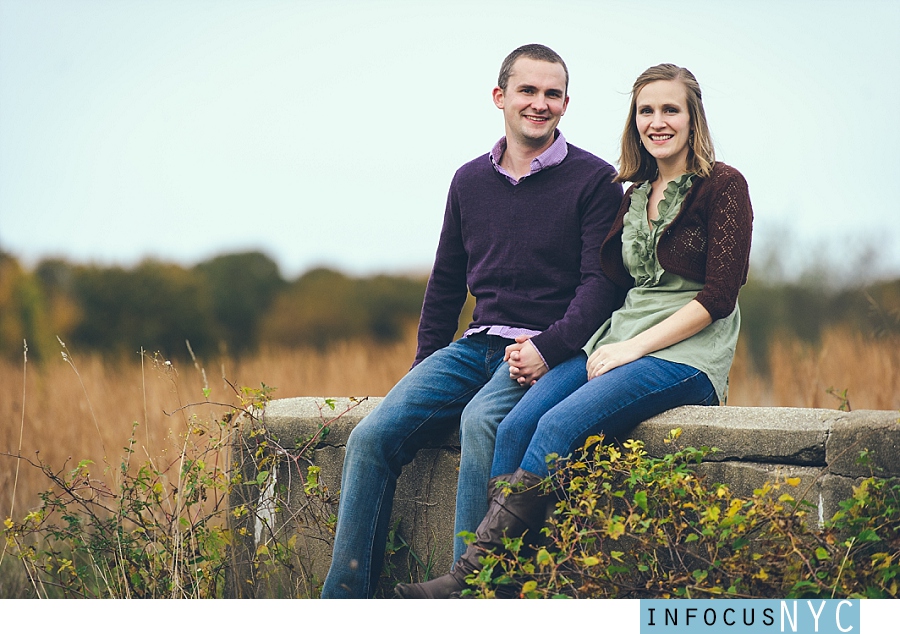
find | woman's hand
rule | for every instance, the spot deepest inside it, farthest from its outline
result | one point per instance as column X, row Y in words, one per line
column 610, row 356
column 683, row 323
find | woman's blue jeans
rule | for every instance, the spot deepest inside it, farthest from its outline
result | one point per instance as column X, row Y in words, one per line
column 563, row 408
column 466, row 384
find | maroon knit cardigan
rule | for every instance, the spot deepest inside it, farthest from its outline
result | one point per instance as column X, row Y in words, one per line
column 708, row 241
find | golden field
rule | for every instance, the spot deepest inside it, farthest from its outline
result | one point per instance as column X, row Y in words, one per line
column 86, row 407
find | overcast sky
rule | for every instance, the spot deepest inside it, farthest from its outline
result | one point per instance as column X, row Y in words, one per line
column 326, row 133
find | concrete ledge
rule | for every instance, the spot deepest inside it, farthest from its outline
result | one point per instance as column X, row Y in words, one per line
column 780, row 435
column 755, row 445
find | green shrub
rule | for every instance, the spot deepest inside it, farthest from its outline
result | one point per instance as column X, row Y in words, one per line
column 169, row 527
column 631, row 526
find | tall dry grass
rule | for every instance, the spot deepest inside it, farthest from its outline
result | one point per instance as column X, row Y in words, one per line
column 801, row 374
column 86, row 409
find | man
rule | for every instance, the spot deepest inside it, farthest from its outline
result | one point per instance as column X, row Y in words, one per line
column 522, row 231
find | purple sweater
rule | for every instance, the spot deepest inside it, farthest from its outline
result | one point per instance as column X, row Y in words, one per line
column 529, row 253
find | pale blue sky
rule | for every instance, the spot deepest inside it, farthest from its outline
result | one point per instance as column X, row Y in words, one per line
column 328, row 132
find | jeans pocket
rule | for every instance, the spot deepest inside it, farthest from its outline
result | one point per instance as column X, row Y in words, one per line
column 712, row 399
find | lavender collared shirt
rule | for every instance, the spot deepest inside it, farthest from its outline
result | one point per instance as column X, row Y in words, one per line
column 550, row 157
column 553, row 155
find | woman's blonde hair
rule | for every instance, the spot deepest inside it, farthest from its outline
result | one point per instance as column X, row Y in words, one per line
column 635, row 163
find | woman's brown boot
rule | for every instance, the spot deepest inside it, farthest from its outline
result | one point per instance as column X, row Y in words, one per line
column 522, row 511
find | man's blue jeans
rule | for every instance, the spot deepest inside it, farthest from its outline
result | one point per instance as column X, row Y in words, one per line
column 467, row 384
column 563, row 408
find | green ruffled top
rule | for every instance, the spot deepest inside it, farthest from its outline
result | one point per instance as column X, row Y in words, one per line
column 658, row 293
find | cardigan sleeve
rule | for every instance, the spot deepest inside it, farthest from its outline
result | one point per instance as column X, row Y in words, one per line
column 729, row 229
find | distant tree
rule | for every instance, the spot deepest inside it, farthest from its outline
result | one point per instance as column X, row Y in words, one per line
column 242, row 287
column 874, row 309
column 806, row 308
column 154, row 306
column 12, row 330
column 315, row 310
column 55, row 277
column 23, row 316
column 392, row 304
column 324, row 306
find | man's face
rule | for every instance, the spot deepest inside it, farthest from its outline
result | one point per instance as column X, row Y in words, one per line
column 533, row 102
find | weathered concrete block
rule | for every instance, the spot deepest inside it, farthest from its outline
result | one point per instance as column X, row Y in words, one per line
column 873, row 431
column 743, row 478
column 755, row 445
column 781, row 435
column 299, row 417
column 423, row 512
column 821, row 491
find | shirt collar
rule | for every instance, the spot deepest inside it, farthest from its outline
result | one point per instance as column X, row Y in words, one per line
column 550, row 157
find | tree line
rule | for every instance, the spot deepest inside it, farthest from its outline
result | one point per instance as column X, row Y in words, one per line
column 237, row 303
column 230, row 304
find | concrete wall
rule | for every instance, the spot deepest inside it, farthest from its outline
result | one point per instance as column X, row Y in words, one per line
column 819, row 446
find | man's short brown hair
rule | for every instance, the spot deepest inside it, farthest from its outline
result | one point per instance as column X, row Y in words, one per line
column 531, row 51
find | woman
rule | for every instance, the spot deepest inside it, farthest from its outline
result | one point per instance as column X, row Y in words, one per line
column 681, row 242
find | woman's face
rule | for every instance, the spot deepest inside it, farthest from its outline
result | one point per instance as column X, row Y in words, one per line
column 663, row 122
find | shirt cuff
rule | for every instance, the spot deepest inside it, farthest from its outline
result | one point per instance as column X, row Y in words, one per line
column 539, row 353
